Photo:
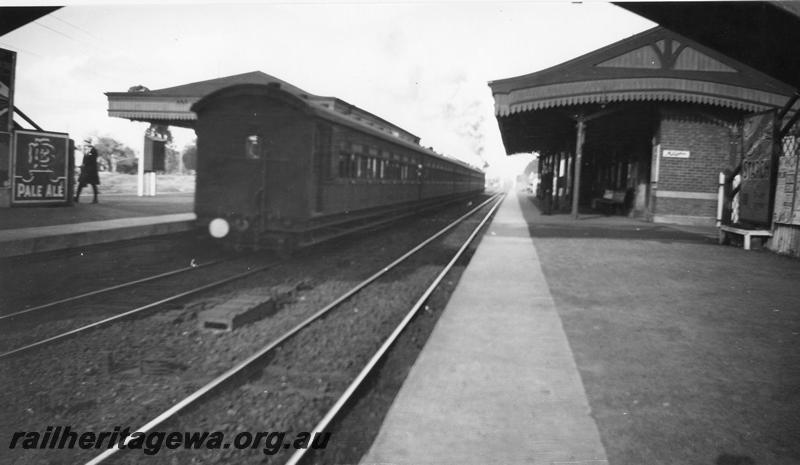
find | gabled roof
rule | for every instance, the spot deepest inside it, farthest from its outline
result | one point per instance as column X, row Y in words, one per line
column 764, row 35
column 173, row 105
column 203, row 88
column 655, row 65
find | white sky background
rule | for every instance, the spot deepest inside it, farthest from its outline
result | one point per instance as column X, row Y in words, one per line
column 423, row 65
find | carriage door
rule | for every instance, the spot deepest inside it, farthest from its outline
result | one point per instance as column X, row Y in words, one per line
column 321, row 164
column 254, row 152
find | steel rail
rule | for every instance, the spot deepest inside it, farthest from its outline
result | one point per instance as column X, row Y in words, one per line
column 134, row 311
column 229, row 374
column 112, row 288
column 356, row 383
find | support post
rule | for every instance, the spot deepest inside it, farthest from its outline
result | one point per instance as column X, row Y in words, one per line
column 556, row 172
column 152, row 183
column 720, row 198
column 569, row 174
column 26, row 118
column 140, row 177
column 581, row 130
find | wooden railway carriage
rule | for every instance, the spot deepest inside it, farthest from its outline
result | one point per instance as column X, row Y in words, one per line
column 279, row 168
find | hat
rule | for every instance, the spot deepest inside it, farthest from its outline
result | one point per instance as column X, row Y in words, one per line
column 87, row 141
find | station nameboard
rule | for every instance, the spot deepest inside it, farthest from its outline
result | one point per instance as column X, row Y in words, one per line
column 758, row 152
column 675, row 154
column 41, row 168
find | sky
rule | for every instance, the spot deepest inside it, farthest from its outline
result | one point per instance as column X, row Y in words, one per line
column 422, row 65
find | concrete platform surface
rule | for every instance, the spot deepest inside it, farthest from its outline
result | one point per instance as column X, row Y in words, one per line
column 496, row 382
column 26, row 230
column 110, row 207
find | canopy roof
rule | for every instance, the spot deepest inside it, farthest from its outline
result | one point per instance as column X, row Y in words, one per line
column 537, row 111
column 764, row 35
column 173, row 105
column 14, row 17
column 655, row 65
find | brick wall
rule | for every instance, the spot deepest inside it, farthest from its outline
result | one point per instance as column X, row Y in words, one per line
column 709, row 145
column 686, row 207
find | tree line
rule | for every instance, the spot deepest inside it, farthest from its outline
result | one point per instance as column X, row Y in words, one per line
column 116, row 157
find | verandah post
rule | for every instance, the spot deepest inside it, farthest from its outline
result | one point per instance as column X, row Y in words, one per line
column 578, row 154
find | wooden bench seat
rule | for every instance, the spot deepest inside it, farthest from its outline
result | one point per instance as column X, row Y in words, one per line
column 725, row 231
column 611, row 201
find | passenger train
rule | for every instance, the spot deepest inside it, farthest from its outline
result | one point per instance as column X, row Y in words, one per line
column 279, row 168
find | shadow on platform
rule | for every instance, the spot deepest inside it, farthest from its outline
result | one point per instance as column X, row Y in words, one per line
column 592, row 225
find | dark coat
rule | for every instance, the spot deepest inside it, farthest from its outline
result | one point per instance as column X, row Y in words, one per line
column 547, row 181
column 89, row 169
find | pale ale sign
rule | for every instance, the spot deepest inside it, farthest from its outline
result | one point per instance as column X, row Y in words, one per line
column 41, row 168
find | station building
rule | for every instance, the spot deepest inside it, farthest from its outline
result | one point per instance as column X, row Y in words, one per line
column 649, row 122
column 766, row 36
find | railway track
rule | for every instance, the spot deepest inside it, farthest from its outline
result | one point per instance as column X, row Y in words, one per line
column 40, row 279
column 357, row 383
column 274, row 360
column 150, row 362
column 48, row 323
column 45, row 324
column 192, row 267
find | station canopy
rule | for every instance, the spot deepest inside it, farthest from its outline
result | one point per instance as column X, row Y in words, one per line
column 14, row 17
column 764, row 35
column 537, row 112
column 171, row 106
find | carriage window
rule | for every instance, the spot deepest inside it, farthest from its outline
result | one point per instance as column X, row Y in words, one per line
column 374, row 168
column 253, row 147
column 344, row 171
column 353, row 167
column 359, row 161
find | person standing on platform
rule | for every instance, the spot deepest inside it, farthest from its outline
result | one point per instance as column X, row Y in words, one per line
column 88, row 172
column 547, row 193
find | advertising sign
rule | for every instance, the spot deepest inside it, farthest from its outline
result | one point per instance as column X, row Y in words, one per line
column 784, row 191
column 758, row 149
column 41, row 168
column 787, row 208
column 154, row 154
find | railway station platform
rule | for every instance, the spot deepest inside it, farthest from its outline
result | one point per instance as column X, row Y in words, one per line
column 604, row 339
column 27, row 230
column 497, row 381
